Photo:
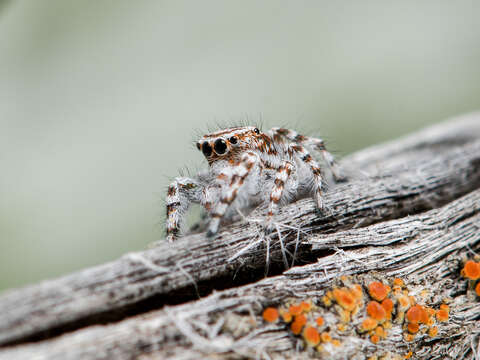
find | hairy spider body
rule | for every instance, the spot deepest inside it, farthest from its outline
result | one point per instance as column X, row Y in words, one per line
column 247, row 168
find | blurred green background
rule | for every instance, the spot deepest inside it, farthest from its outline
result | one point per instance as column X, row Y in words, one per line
column 100, row 101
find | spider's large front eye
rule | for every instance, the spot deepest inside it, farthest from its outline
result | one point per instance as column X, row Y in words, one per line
column 256, row 131
column 206, row 149
column 220, row 146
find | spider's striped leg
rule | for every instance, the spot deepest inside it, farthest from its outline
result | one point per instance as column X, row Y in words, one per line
column 316, row 144
column 333, row 165
column 300, row 153
column 234, row 182
column 181, row 193
column 281, row 178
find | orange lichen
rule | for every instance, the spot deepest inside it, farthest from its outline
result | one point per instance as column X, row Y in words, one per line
column 344, row 278
column 408, row 337
column 296, row 327
column 302, row 319
column 319, row 321
column 413, row 328
column 356, row 291
column 408, row 355
column 336, row 342
column 270, row 314
column 306, row 306
column 380, row 332
column 327, row 301
column 442, row 315
column 378, row 290
column 471, row 270
column 325, row 337
column 477, row 289
column 295, row 309
column 424, row 317
column 376, row 311
column 342, row 327
column 398, row 282
column 433, row 331
column 344, row 298
column 387, row 304
column 417, row 314
column 387, row 325
column 368, row 324
column 403, row 302
column 311, row 336
column 286, row 316
column 344, row 315
column 374, row 338
column 444, row 307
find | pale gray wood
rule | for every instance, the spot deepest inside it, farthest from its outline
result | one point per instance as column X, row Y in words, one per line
column 405, row 177
column 426, row 250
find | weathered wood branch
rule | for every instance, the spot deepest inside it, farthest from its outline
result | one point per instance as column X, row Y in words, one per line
column 426, row 250
column 400, row 181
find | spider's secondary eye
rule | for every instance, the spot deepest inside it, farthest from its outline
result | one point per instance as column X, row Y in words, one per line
column 220, row 146
column 206, row 149
column 256, row 131
column 199, row 146
column 233, row 140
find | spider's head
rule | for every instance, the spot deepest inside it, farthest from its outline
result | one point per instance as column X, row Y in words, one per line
column 228, row 144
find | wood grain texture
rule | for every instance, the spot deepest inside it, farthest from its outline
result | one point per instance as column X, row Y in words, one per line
column 410, row 209
column 425, row 250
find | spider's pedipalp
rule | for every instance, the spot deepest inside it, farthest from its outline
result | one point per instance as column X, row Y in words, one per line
column 234, row 182
column 181, row 193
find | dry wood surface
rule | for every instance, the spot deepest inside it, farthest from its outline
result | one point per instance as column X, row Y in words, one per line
column 410, row 210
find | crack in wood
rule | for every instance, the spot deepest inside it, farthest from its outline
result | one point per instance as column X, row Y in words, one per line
column 387, row 208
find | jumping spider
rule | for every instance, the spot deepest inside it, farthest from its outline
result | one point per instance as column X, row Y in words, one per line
column 248, row 167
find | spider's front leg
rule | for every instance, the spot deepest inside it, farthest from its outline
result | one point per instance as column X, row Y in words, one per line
column 234, row 181
column 316, row 144
column 181, row 193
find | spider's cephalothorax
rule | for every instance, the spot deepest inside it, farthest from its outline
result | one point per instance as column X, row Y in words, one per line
column 248, row 167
